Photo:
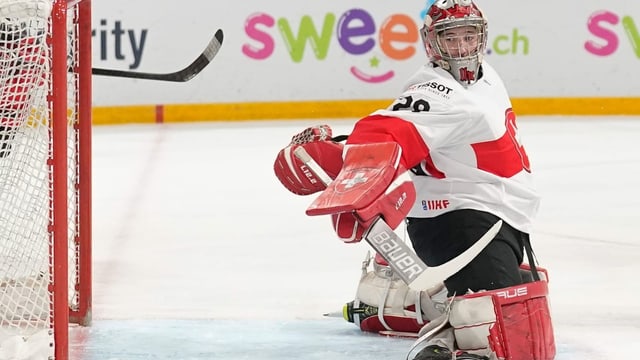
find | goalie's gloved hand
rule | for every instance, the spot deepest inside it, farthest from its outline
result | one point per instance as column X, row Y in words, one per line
column 348, row 227
column 294, row 174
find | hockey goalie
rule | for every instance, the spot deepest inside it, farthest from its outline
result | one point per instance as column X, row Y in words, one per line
column 447, row 159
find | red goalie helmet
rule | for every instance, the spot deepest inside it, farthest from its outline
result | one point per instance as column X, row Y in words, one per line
column 455, row 38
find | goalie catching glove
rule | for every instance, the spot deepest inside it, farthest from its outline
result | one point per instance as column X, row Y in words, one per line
column 295, row 175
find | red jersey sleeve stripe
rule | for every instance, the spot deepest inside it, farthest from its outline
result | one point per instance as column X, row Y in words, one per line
column 379, row 128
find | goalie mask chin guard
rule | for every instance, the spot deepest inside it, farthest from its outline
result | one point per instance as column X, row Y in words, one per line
column 455, row 38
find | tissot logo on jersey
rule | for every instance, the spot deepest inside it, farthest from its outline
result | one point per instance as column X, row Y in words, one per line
column 434, row 87
column 432, row 205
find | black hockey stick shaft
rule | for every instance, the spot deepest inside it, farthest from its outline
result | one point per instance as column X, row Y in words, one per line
column 183, row 75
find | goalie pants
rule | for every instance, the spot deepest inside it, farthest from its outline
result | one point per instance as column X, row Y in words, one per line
column 440, row 239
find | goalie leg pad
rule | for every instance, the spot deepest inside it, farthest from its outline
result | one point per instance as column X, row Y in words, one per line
column 514, row 323
column 385, row 303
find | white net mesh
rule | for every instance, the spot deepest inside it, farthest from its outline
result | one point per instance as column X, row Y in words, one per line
column 24, row 172
column 26, row 191
column 40, row 9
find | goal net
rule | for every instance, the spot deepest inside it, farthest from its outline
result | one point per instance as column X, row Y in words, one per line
column 45, row 193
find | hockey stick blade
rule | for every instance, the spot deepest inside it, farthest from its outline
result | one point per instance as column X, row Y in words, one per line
column 404, row 261
column 183, row 75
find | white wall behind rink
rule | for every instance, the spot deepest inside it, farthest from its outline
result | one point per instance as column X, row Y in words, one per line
column 543, row 49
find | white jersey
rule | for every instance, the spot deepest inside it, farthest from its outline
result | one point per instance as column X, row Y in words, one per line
column 471, row 154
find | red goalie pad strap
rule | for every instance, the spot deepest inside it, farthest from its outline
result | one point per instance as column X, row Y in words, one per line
column 398, row 323
column 367, row 172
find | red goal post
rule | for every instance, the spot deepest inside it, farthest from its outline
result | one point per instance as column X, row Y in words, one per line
column 45, row 175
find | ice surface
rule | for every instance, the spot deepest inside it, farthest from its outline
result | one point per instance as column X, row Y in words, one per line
column 199, row 253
